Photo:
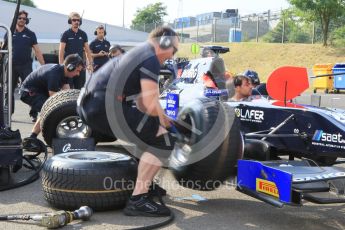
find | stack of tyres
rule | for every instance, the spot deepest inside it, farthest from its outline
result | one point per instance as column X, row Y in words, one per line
column 339, row 80
column 323, row 83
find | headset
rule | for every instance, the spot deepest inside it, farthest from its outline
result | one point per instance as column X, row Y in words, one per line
column 165, row 41
column 100, row 27
column 70, row 21
column 27, row 21
column 74, row 64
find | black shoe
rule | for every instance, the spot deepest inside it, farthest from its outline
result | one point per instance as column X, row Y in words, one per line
column 145, row 206
column 156, row 190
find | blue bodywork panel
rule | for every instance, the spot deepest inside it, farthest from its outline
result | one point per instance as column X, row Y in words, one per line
column 258, row 177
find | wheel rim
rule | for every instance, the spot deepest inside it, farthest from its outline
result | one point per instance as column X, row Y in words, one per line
column 181, row 154
column 72, row 127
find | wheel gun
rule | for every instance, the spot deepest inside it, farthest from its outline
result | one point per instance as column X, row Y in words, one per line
column 54, row 219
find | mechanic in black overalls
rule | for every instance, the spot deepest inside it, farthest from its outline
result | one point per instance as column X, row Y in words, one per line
column 99, row 48
column 141, row 87
column 46, row 81
column 74, row 40
column 23, row 41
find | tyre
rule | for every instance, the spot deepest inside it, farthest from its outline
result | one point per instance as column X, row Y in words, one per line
column 100, row 180
column 208, row 154
column 59, row 118
column 257, row 150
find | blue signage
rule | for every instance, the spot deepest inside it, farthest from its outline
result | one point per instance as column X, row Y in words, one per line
column 172, row 105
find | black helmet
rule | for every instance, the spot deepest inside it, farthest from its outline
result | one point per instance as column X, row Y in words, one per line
column 254, row 77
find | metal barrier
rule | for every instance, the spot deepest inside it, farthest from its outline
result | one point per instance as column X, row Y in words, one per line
column 6, row 81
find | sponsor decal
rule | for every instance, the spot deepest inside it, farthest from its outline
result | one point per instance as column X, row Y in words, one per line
column 68, row 148
column 172, row 104
column 322, row 136
column 251, row 115
column 267, row 187
column 325, row 176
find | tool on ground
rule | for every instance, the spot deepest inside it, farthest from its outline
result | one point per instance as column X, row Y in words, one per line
column 53, row 220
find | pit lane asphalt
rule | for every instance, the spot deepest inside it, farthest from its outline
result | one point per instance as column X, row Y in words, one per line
column 223, row 208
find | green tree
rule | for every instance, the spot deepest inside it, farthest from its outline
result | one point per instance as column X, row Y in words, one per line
column 323, row 11
column 151, row 14
column 293, row 30
column 24, row 2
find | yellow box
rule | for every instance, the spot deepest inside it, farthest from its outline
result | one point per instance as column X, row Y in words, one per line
column 325, row 83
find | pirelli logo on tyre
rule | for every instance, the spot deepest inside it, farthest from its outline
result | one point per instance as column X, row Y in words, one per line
column 267, row 187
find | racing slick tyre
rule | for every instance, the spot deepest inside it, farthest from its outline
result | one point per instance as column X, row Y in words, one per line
column 208, row 154
column 100, row 180
column 59, row 118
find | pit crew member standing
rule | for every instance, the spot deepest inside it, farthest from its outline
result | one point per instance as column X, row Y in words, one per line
column 142, row 86
column 46, row 81
column 75, row 41
column 23, row 40
column 99, row 48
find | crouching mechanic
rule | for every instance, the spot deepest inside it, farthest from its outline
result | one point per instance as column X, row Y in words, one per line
column 46, row 81
column 146, row 120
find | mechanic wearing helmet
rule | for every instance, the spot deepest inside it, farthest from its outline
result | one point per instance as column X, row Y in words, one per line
column 46, row 81
column 258, row 88
column 141, row 88
column 115, row 51
column 99, row 48
column 243, row 88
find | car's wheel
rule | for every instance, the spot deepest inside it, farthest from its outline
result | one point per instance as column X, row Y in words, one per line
column 100, row 180
column 208, row 154
column 59, row 119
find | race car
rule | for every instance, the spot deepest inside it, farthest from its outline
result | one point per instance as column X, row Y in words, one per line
column 272, row 125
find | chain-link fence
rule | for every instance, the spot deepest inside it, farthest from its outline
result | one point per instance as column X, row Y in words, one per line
column 270, row 26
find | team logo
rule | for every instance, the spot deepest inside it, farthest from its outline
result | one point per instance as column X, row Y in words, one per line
column 68, row 148
column 251, row 115
column 267, row 187
column 320, row 135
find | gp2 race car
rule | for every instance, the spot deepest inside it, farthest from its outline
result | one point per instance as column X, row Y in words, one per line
column 272, row 125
